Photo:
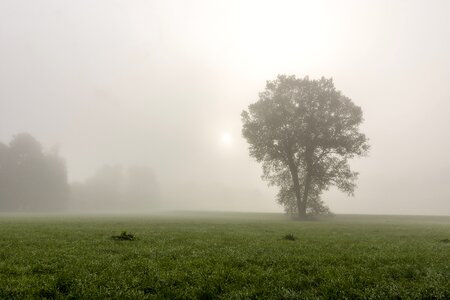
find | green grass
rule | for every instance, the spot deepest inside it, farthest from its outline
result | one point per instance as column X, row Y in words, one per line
column 228, row 256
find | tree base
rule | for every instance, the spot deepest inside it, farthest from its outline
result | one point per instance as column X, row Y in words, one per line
column 304, row 218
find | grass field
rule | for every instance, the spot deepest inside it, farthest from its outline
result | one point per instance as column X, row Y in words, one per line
column 229, row 256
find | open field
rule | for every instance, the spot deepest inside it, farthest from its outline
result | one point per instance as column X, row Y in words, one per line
column 229, row 256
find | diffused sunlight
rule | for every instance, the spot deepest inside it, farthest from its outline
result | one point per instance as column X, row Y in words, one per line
column 147, row 96
column 226, row 138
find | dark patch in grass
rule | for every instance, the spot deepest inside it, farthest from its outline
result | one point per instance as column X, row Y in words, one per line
column 64, row 284
column 124, row 236
column 445, row 241
column 41, row 269
column 210, row 292
column 289, row 237
column 11, row 294
column 47, row 294
column 9, row 271
column 306, row 283
column 149, row 290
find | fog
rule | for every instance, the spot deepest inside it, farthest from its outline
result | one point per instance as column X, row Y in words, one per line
column 160, row 85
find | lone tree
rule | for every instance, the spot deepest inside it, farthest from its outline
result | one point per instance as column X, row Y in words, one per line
column 304, row 132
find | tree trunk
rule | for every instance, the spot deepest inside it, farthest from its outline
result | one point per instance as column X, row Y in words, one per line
column 301, row 210
column 307, row 184
column 301, row 207
column 305, row 194
column 308, row 159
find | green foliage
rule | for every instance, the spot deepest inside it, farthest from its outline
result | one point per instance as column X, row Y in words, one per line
column 223, row 256
column 304, row 132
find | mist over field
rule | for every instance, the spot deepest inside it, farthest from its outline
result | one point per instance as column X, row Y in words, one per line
column 142, row 100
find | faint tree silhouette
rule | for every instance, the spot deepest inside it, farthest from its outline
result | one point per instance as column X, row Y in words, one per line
column 30, row 179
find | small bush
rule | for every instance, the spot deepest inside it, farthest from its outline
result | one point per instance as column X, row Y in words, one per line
column 124, row 236
column 289, row 237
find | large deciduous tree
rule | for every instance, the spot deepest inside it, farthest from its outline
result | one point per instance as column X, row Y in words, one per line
column 304, row 132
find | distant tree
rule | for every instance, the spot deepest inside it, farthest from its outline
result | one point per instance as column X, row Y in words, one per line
column 4, row 199
column 31, row 180
column 115, row 188
column 141, row 187
column 304, row 132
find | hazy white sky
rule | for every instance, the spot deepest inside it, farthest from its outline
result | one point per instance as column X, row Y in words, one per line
column 159, row 83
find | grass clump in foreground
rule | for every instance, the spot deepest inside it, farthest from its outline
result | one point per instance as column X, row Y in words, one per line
column 124, row 236
column 289, row 237
column 224, row 256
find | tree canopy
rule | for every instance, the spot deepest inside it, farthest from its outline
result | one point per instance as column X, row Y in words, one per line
column 304, row 132
column 30, row 179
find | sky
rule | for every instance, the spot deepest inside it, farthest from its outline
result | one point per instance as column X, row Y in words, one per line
column 162, row 84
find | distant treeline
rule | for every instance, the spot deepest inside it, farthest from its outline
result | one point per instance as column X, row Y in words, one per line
column 31, row 179
column 34, row 180
column 116, row 189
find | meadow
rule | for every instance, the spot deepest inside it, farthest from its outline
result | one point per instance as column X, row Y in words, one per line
column 224, row 256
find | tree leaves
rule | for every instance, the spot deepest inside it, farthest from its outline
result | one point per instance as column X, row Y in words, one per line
column 305, row 129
